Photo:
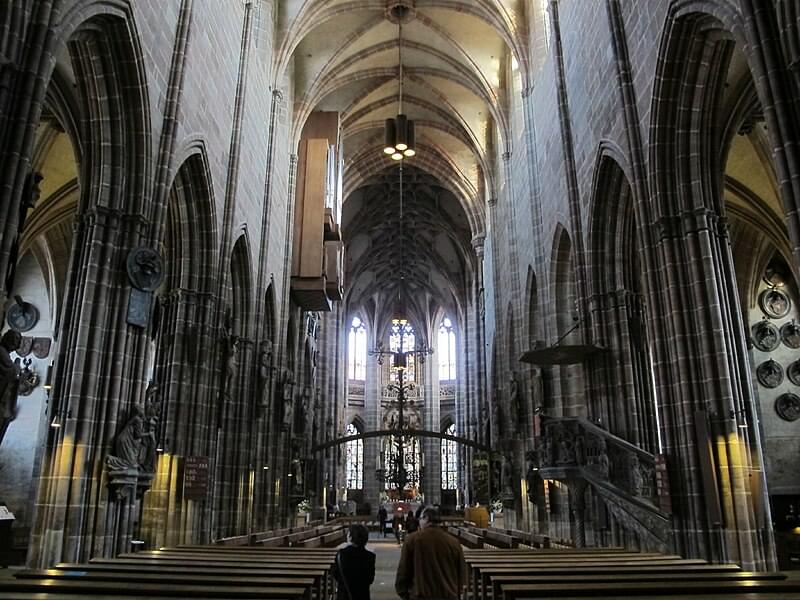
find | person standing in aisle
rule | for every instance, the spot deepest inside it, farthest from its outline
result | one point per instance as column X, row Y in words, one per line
column 382, row 519
column 431, row 563
column 354, row 568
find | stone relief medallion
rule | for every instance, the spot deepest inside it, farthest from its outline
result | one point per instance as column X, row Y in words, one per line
column 793, row 372
column 788, row 406
column 145, row 269
column 22, row 316
column 769, row 374
column 790, row 334
column 766, row 336
column 41, row 347
column 774, row 303
column 25, row 346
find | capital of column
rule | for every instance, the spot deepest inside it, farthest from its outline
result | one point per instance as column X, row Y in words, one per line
column 478, row 243
column 506, row 156
column 491, row 201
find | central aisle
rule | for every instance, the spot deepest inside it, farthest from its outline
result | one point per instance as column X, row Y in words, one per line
column 387, row 555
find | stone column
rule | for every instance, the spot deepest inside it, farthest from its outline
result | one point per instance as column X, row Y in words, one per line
column 372, row 417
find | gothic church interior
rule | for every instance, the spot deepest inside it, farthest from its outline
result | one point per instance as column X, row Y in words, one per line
column 568, row 292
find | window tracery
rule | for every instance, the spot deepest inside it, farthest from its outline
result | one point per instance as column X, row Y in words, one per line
column 357, row 350
column 354, row 460
column 449, row 461
column 446, row 350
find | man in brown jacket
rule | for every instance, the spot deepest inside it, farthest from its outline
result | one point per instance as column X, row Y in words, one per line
column 431, row 563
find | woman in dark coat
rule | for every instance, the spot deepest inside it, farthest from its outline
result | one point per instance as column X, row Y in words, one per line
column 354, row 568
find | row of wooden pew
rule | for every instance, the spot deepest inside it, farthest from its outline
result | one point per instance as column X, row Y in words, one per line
column 607, row 573
column 197, row 572
column 480, row 537
column 314, row 535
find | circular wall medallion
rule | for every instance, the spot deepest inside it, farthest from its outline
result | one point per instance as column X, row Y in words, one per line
column 769, row 374
column 766, row 336
column 774, row 303
column 793, row 372
column 22, row 316
column 788, row 406
column 145, row 270
column 790, row 334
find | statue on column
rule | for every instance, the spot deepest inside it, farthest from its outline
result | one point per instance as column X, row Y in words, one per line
column 287, row 387
column 514, row 402
column 531, row 475
column 129, row 442
column 264, row 367
column 506, row 477
column 147, row 454
column 496, row 429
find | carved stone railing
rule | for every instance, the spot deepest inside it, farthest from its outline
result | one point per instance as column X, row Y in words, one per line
column 577, row 452
column 447, row 391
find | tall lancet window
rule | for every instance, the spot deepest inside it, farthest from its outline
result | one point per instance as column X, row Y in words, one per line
column 449, row 461
column 402, row 338
column 354, row 460
column 446, row 350
column 357, row 351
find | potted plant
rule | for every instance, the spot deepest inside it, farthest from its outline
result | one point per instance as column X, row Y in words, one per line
column 304, row 510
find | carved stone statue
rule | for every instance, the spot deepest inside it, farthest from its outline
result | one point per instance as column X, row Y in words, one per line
column 484, row 422
column 637, row 482
column 603, row 466
column 515, row 401
column 230, row 360
column 496, row 429
column 147, row 453
column 297, row 475
column 288, row 399
column 265, row 363
column 128, row 444
column 531, row 475
column 8, row 379
column 506, row 478
column 544, row 452
column 566, row 449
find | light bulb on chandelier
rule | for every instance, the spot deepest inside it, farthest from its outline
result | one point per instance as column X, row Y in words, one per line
column 399, row 132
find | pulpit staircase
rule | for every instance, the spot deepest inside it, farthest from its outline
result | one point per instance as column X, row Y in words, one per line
column 631, row 482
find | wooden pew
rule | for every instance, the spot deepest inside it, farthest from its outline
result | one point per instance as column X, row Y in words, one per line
column 662, row 579
column 201, row 560
column 204, row 579
column 710, row 589
column 470, row 540
column 87, row 587
column 317, row 574
column 524, row 561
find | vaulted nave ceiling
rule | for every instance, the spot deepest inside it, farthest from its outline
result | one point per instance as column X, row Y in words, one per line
column 457, row 56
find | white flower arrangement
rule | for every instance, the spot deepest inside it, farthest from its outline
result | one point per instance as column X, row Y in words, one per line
column 496, row 505
column 304, row 506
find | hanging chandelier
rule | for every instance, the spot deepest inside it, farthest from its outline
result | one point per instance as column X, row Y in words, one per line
column 399, row 132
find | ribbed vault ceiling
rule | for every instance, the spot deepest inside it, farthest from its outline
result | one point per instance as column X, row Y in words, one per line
column 457, row 56
column 426, row 257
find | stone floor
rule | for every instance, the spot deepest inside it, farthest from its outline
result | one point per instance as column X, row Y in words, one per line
column 387, row 555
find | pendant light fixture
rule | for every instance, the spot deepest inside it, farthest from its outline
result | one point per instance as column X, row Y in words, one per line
column 399, row 132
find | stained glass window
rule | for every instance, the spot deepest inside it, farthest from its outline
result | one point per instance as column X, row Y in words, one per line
column 402, row 339
column 446, row 350
column 357, row 351
column 354, row 460
column 449, row 461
